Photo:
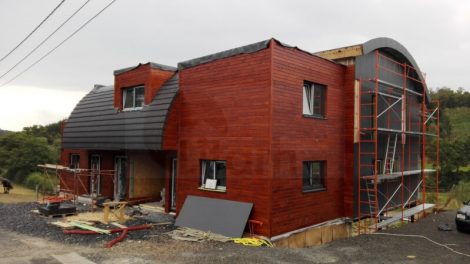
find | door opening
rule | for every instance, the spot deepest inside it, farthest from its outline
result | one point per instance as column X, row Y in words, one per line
column 173, row 185
column 120, row 179
column 95, row 177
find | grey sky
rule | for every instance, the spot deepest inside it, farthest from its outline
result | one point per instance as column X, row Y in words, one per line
column 131, row 31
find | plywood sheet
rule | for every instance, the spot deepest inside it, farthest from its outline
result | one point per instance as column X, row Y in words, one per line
column 219, row 216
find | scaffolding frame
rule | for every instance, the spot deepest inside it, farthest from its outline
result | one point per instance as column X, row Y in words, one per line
column 413, row 123
column 65, row 175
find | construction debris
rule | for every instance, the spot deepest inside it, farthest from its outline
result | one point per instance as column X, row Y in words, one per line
column 115, row 230
column 114, row 208
column 89, row 227
column 56, row 208
column 444, row 227
column 151, row 207
column 189, row 234
column 118, row 239
column 118, row 225
column 94, row 231
column 96, row 217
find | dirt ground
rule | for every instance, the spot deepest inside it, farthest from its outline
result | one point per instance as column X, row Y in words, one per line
column 22, row 248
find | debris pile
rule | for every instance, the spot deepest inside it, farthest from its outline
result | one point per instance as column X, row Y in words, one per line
column 189, row 234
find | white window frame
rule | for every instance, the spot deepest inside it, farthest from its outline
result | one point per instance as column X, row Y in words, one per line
column 309, row 99
column 203, row 173
column 124, row 95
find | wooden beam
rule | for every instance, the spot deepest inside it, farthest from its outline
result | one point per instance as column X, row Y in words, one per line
column 341, row 53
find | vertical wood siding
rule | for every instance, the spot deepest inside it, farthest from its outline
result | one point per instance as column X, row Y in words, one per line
column 297, row 138
column 225, row 117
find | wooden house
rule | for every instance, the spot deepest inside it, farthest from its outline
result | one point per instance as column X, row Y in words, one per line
column 267, row 123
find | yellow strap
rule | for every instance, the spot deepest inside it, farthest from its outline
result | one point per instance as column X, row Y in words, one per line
column 252, row 242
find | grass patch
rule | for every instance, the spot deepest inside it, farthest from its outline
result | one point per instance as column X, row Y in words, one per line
column 431, row 198
column 19, row 194
column 465, row 169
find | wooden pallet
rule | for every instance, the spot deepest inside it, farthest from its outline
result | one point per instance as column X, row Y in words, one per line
column 59, row 215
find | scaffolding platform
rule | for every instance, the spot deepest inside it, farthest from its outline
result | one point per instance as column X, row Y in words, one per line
column 395, row 175
column 406, row 213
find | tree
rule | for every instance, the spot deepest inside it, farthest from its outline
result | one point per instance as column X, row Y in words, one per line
column 20, row 153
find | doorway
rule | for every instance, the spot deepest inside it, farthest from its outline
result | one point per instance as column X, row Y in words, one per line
column 95, row 179
column 120, row 179
column 173, row 184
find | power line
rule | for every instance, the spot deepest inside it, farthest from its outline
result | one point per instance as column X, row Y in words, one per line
column 47, row 38
column 34, row 30
column 60, row 44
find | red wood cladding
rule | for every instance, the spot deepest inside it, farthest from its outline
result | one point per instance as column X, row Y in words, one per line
column 152, row 79
column 226, row 117
column 348, row 185
column 68, row 178
column 296, row 138
column 247, row 110
column 170, row 133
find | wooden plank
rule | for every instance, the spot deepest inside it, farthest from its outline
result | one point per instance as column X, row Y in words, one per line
column 118, row 225
column 340, row 53
column 356, row 110
column 326, row 234
column 297, row 240
column 91, row 228
column 313, row 237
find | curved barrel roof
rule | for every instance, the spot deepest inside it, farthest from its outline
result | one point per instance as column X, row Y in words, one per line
column 96, row 124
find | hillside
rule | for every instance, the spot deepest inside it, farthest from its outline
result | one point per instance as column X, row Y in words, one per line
column 460, row 121
column 3, row 131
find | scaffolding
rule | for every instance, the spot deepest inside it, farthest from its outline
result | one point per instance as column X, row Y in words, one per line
column 398, row 144
column 75, row 182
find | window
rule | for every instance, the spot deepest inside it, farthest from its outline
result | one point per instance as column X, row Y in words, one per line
column 213, row 170
column 314, row 99
column 74, row 161
column 133, row 98
column 313, row 176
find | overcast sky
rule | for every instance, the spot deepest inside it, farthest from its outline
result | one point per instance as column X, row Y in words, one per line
column 437, row 34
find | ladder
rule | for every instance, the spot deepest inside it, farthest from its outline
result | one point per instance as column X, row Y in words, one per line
column 371, row 190
column 390, row 154
column 368, row 168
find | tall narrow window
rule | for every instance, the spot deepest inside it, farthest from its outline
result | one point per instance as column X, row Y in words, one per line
column 74, row 161
column 133, row 98
column 314, row 97
column 313, row 175
column 213, row 170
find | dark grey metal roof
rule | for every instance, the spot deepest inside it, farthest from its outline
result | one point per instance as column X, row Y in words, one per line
column 224, row 54
column 251, row 48
column 397, row 49
column 96, row 124
column 153, row 65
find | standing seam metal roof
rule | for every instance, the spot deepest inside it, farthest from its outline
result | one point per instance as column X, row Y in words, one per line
column 96, row 124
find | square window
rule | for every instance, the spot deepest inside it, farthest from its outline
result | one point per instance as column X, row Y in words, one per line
column 313, row 175
column 133, row 98
column 214, row 170
column 314, row 97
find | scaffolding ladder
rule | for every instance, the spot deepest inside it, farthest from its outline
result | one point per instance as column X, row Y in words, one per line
column 390, row 154
column 367, row 149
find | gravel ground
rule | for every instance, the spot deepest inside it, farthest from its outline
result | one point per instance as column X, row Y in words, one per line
column 153, row 246
column 20, row 219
